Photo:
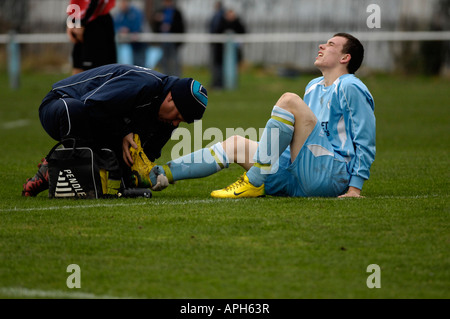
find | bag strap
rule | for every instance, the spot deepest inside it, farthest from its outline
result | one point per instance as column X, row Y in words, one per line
column 61, row 143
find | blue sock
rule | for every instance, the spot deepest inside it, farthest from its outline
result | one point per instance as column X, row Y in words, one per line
column 198, row 164
column 279, row 130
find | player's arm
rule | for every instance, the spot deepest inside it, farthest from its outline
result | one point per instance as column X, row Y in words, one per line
column 358, row 109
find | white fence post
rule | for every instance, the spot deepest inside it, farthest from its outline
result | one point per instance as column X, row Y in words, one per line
column 13, row 61
column 230, row 67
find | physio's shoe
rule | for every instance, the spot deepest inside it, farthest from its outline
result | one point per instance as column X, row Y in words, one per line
column 38, row 182
column 239, row 189
column 141, row 165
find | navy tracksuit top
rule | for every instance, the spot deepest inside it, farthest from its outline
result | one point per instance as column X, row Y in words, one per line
column 121, row 99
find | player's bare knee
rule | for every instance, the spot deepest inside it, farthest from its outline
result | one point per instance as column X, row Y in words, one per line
column 294, row 104
column 287, row 99
column 291, row 102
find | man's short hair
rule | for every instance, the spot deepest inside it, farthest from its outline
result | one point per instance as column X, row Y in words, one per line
column 356, row 50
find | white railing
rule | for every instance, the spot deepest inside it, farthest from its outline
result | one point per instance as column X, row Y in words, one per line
column 13, row 42
column 242, row 38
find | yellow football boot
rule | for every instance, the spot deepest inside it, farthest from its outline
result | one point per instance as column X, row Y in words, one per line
column 240, row 189
column 141, row 165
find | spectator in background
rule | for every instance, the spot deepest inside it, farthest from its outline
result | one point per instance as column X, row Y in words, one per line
column 94, row 42
column 170, row 20
column 128, row 24
column 215, row 26
column 223, row 21
column 232, row 23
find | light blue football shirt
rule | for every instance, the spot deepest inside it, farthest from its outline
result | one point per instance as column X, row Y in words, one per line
column 345, row 111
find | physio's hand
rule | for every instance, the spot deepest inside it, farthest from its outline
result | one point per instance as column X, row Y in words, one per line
column 352, row 192
column 126, row 143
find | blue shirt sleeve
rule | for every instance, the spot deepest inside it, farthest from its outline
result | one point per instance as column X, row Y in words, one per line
column 358, row 108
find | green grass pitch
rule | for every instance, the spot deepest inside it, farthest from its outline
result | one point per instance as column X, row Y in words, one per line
column 183, row 244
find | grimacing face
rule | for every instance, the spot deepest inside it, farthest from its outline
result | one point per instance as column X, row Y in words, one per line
column 331, row 54
column 168, row 112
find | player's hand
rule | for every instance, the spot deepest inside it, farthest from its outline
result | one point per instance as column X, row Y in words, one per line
column 352, row 192
column 126, row 143
column 161, row 183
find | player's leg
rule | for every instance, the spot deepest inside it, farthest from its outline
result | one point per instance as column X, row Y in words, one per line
column 318, row 169
column 240, row 150
column 201, row 163
column 99, row 40
column 207, row 161
column 291, row 123
column 305, row 121
column 98, row 46
column 77, row 58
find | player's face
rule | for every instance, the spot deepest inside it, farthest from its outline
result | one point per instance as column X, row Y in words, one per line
column 330, row 54
column 168, row 112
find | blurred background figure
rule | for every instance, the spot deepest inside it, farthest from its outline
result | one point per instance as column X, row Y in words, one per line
column 41, row 19
column 169, row 19
column 232, row 23
column 223, row 21
column 217, row 48
column 94, row 43
column 128, row 24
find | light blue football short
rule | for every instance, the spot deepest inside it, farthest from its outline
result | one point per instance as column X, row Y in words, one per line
column 317, row 171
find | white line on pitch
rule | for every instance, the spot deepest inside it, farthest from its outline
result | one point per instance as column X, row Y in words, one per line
column 37, row 293
column 153, row 203
column 15, row 124
column 199, row 201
